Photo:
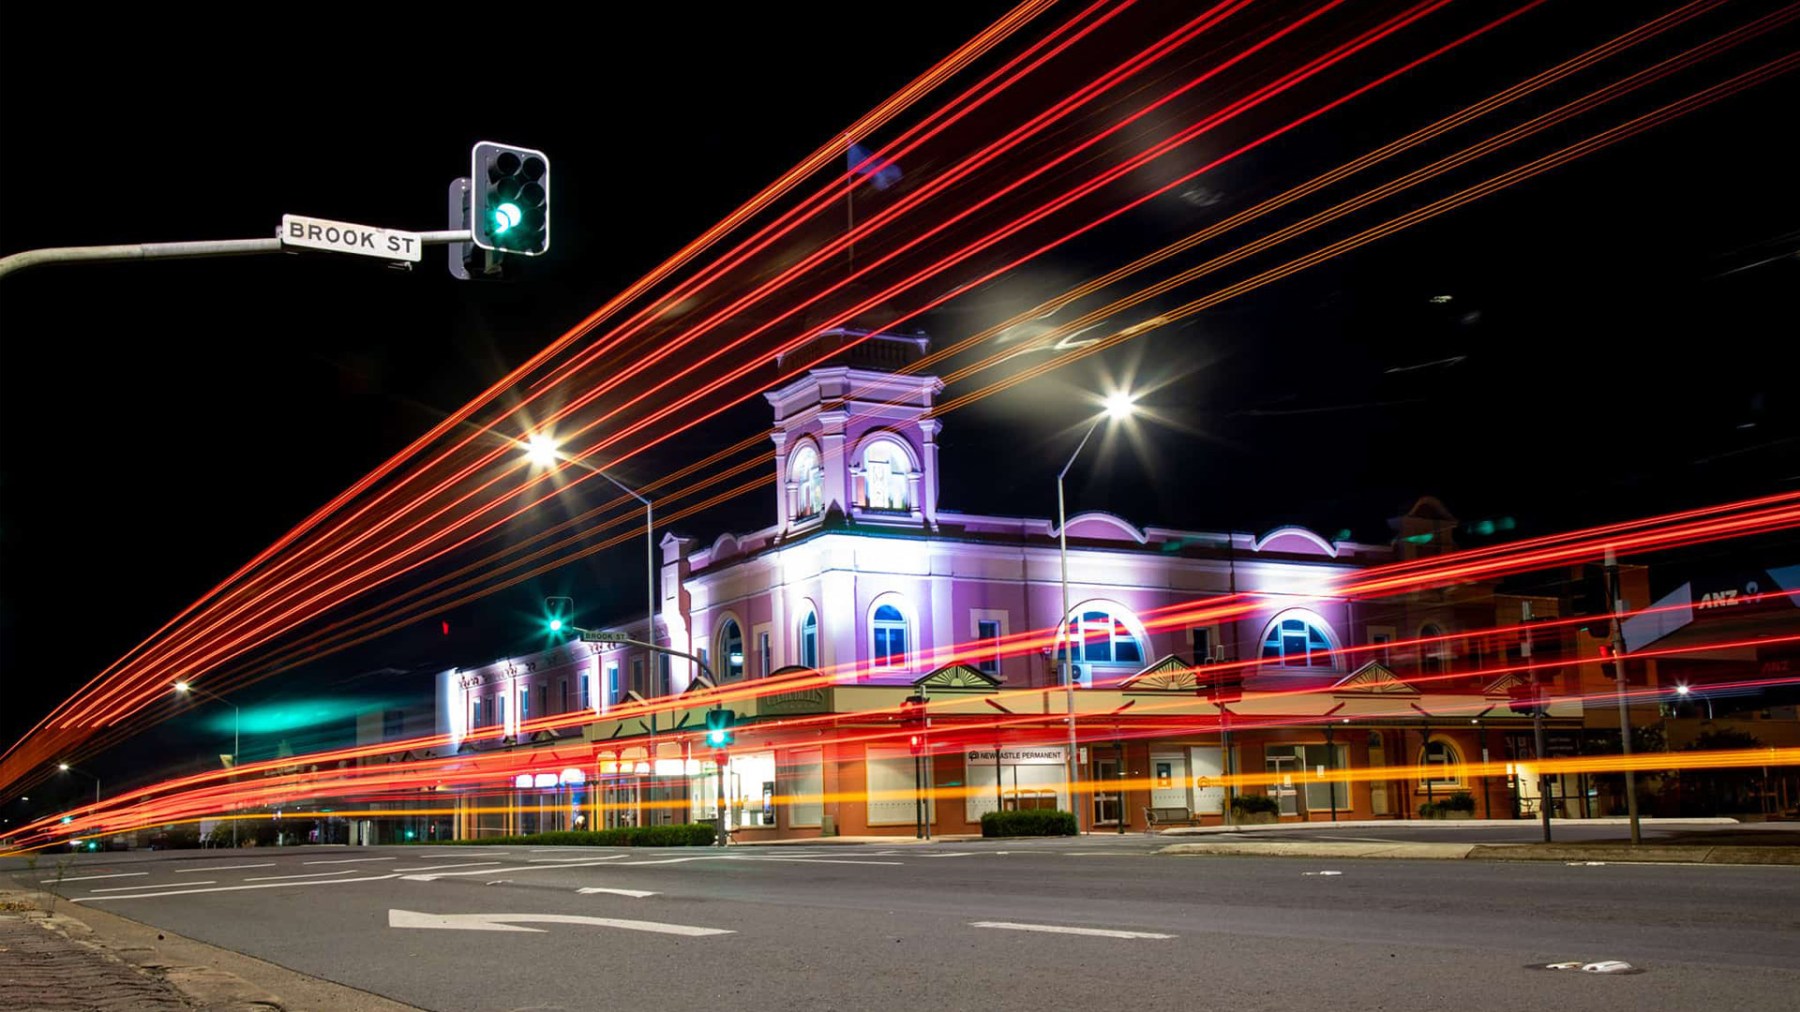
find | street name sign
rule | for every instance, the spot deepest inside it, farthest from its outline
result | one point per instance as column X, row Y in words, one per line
column 345, row 237
column 603, row 637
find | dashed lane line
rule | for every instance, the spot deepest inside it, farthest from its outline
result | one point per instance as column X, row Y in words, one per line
column 223, row 867
column 437, row 867
column 352, row 860
column 91, row 878
column 1057, row 929
column 316, row 874
column 146, row 885
column 636, row 894
column 232, row 888
column 433, row 876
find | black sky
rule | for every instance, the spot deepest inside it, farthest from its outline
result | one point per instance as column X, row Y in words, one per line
column 1608, row 350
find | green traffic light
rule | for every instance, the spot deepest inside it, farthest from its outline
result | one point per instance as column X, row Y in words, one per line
column 715, row 737
column 507, row 217
column 556, row 625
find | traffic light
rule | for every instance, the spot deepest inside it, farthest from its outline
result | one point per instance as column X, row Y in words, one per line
column 1587, row 596
column 509, row 199
column 559, row 615
column 718, row 727
column 912, row 711
column 1523, row 698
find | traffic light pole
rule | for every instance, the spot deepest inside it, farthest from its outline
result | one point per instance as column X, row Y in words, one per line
column 177, row 250
column 1617, row 646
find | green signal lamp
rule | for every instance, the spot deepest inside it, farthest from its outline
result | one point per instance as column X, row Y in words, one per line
column 507, row 217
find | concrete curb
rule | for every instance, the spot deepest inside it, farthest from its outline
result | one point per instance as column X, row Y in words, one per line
column 210, row 977
column 1429, row 824
column 1603, row 854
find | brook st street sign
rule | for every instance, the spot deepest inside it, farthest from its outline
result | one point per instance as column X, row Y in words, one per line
column 345, row 237
column 590, row 636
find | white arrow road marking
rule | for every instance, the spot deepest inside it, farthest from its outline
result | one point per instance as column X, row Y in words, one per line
column 636, row 894
column 235, row 888
column 509, row 922
column 146, row 885
column 353, row 860
column 91, row 878
column 1057, row 929
column 434, row 876
column 436, row 867
column 223, row 867
column 316, row 874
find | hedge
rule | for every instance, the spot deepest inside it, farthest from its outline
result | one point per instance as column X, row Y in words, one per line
column 1038, row 822
column 1253, row 804
column 1461, row 801
column 698, row 834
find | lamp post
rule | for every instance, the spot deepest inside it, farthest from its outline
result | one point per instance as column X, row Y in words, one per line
column 184, row 688
column 1684, row 690
column 66, row 768
column 1118, row 406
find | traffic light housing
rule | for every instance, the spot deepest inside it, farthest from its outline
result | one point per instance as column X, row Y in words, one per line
column 509, row 199
column 1587, row 596
column 1524, row 699
column 719, row 727
column 559, row 615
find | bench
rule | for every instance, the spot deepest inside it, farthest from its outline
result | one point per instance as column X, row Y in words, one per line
column 1157, row 818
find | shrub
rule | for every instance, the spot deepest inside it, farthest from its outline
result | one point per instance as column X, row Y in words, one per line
column 1031, row 822
column 1461, row 801
column 1255, row 804
column 698, row 834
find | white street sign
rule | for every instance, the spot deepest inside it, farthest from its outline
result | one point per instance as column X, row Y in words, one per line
column 603, row 637
column 344, row 237
column 508, row 922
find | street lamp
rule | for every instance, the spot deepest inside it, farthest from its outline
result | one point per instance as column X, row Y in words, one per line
column 66, row 768
column 183, row 688
column 1683, row 690
column 1119, row 406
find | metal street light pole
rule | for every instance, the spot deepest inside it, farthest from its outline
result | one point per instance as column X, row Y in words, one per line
column 1616, row 605
column 66, row 768
column 1117, row 406
column 236, row 739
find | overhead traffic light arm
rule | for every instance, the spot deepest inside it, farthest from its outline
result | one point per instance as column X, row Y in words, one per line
column 175, row 250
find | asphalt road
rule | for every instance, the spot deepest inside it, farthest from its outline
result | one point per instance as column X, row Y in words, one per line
column 868, row 927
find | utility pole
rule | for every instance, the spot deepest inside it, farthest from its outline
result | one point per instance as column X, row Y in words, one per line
column 1616, row 604
column 1538, row 705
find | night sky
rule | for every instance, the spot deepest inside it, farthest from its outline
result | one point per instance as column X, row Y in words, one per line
column 1618, row 338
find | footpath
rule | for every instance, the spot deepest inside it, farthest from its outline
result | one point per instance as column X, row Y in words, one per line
column 1700, row 841
column 56, row 959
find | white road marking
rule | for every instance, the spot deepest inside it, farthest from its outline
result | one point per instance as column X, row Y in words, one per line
column 961, row 853
column 223, row 867
column 229, row 889
column 1057, row 929
column 316, row 874
column 636, row 894
column 433, row 876
column 353, row 860
column 435, row 867
column 812, row 860
column 146, row 885
column 90, row 878
column 510, row 922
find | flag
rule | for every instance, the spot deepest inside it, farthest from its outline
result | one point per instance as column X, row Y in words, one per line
column 882, row 172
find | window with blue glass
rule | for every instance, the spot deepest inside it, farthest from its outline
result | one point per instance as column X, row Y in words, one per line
column 889, row 628
column 809, row 640
column 1295, row 641
column 1102, row 638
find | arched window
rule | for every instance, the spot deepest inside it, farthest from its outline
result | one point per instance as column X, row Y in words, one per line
column 1102, row 638
column 1434, row 650
column 809, row 640
column 731, row 650
column 1441, row 762
column 886, row 468
column 1297, row 640
column 809, row 482
column 888, row 631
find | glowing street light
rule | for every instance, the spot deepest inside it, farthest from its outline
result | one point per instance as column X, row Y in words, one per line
column 184, row 688
column 540, row 449
column 1119, row 406
column 66, row 768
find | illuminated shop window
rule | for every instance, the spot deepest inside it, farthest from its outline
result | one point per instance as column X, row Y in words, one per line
column 1297, row 641
column 888, row 630
column 885, row 472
